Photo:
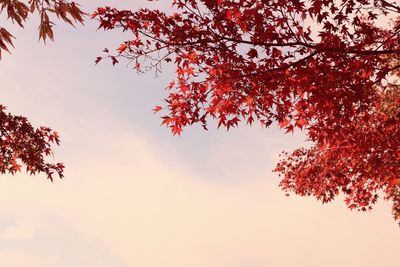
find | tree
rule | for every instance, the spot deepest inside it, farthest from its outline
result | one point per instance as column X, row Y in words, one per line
column 20, row 143
column 323, row 66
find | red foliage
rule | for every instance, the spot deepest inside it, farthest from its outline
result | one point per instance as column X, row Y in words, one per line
column 19, row 11
column 21, row 144
column 359, row 158
column 318, row 65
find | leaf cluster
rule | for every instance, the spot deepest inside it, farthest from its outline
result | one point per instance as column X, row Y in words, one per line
column 23, row 145
column 19, row 11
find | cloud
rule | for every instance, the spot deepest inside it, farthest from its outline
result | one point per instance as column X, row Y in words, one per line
column 47, row 240
column 24, row 230
column 126, row 204
column 135, row 196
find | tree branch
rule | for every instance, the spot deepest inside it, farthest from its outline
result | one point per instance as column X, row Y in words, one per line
column 271, row 70
column 385, row 3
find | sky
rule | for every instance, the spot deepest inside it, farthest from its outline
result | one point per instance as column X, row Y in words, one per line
column 135, row 196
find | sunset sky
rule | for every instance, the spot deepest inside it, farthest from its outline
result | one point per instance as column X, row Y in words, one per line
column 135, row 196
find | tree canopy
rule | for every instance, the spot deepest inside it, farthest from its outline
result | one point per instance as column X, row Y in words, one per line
column 329, row 68
column 320, row 65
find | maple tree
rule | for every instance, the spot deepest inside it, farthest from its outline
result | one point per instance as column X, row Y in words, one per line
column 323, row 66
column 21, row 144
column 326, row 67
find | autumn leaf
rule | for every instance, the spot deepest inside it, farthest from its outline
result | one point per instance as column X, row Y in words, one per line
column 157, row 109
column 122, row 48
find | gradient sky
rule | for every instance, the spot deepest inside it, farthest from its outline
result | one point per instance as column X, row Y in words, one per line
column 134, row 196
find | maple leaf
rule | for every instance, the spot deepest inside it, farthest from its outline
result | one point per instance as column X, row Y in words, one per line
column 252, row 53
column 114, row 60
column 98, row 59
column 122, row 48
column 301, row 122
column 157, row 109
column 285, row 122
column 176, row 130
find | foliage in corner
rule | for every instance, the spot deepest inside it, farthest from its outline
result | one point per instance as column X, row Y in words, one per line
column 20, row 143
column 23, row 145
column 19, row 11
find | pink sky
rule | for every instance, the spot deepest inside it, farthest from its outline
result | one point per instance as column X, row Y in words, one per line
column 134, row 196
